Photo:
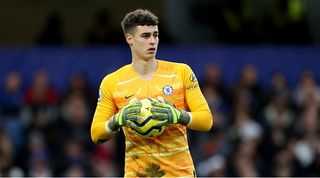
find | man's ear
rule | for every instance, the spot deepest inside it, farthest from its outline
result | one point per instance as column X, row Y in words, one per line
column 129, row 39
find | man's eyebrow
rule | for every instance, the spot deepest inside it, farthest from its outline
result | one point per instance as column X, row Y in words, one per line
column 149, row 33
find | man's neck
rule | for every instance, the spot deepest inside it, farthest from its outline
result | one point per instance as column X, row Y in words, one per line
column 144, row 68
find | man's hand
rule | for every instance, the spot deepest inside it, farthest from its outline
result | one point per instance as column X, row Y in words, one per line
column 128, row 113
column 163, row 110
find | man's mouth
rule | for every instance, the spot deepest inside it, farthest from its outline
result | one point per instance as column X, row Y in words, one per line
column 151, row 49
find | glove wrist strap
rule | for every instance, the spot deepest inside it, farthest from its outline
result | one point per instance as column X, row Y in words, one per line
column 185, row 118
column 112, row 124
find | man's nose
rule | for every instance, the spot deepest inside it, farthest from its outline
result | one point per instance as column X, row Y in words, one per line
column 153, row 40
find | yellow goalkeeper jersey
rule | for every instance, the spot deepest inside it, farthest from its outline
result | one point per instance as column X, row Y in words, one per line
column 167, row 154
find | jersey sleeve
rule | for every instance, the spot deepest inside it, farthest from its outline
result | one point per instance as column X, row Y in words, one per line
column 202, row 118
column 105, row 109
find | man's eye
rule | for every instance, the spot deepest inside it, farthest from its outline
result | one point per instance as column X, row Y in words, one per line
column 146, row 35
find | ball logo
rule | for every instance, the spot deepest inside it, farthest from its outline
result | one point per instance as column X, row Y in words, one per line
column 100, row 95
column 167, row 90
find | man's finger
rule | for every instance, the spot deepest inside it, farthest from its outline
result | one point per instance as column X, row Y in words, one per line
column 133, row 110
column 161, row 99
column 131, row 124
column 160, row 116
column 158, row 110
column 163, row 123
column 133, row 100
column 132, row 117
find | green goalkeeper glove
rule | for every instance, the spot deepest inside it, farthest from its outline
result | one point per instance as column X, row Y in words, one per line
column 163, row 110
column 128, row 113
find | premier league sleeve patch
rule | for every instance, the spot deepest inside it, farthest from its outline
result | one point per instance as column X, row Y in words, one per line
column 100, row 95
column 193, row 82
column 167, row 90
column 193, row 78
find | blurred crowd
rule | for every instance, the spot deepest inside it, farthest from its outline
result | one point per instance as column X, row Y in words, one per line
column 270, row 131
column 258, row 131
column 101, row 31
column 231, row 22
column 237, row 21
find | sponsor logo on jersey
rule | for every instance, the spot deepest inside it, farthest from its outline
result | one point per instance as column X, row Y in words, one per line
column 128, row 96
column 167, row 90
column 192, row 87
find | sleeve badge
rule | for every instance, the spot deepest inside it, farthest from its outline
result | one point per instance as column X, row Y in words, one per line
column 100, row 95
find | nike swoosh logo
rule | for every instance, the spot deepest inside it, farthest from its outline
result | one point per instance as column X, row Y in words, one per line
column 127, row 97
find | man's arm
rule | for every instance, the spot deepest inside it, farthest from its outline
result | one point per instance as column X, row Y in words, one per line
column 106, row 120
column 201, row 116
column 105, row 109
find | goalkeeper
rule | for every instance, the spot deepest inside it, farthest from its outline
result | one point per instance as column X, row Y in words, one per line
column 147, row 77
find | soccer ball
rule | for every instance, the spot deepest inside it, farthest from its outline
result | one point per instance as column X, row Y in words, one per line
column 147, row 125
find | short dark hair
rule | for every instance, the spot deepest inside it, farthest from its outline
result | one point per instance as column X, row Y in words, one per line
column 139, row 17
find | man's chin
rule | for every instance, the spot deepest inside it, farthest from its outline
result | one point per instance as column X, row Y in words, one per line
column 149, row 56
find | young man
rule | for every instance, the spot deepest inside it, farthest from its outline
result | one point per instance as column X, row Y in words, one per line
column 147, row 77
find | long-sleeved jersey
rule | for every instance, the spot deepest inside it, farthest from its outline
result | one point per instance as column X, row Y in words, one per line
column 167, row 154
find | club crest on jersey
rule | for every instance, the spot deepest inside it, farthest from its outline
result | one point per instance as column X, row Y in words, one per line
column 167, row 90
column 100, row 95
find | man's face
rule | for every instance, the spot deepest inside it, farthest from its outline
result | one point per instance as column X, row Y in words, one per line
column 144, row 41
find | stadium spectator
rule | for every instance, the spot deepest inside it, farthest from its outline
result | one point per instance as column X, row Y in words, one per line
column 41, row 93
column 75, row 170
column 214, row 166
column 248, row 90
column 11, row 96
column 75, row 119
column 11, row 103
column 8, row 167
column 39, row 156
column 52, row 32
column 103, row 32
column 282, row 163
column 103, row 159
column 307, row 92
column 78, row 85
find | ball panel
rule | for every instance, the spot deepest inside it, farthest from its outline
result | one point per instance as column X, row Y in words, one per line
column 147, row 126
column 152, row 131
column 144, row 122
